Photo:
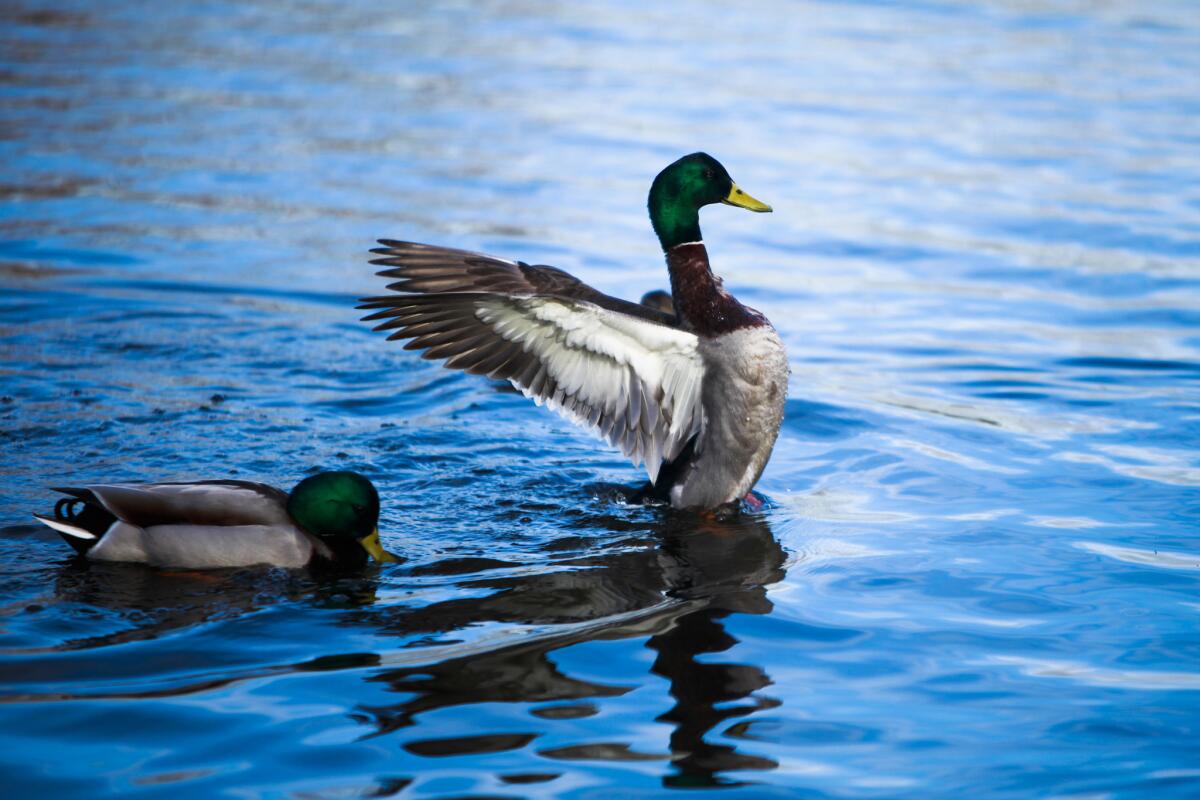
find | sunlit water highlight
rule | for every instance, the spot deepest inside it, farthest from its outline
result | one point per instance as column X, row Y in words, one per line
column 980, row 571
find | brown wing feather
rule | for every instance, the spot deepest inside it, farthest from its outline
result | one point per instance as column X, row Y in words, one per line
column 220, row 502
column 429, row 269
column 649, row 416
column 633, row 375
column 445, row 326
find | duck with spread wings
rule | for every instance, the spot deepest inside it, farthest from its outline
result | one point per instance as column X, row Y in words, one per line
column 696, row 396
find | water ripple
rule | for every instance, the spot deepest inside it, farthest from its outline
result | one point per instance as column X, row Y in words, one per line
column 1153, row 558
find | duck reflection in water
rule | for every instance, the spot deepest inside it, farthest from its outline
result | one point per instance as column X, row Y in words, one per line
column 674, row 585
column 677, row 591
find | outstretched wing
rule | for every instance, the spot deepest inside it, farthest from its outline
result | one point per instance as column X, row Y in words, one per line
column 617, row 367
column 429, row 269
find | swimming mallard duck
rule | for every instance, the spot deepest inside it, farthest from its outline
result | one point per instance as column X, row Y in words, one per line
column 330, row 517
column 696, row 395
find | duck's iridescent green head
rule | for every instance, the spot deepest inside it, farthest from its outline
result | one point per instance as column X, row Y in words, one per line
column 339, row 507
column 679, row 192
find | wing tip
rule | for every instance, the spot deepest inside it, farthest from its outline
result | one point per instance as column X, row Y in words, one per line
column 382, row 301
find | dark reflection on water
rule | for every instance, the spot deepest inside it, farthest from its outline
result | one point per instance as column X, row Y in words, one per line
column 678, row 590
column 673, row 587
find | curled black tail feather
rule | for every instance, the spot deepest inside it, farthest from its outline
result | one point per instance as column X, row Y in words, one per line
column 64, row 509
column 81, row 513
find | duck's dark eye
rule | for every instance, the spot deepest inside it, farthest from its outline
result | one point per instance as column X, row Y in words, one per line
column 709, row 174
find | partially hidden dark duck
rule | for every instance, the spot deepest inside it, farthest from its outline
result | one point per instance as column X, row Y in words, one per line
column 330, row 518
column 694, row 389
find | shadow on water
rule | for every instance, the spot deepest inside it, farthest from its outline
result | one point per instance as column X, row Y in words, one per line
column 675, row 588
column 677, row 593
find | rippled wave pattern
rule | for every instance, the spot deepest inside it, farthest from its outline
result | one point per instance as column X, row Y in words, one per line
column 979, row 572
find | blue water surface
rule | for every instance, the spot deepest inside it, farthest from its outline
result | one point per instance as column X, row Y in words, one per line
column 979, row 572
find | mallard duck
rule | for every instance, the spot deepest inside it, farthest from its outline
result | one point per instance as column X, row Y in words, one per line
column 659, row 300
column 696, row 395
column 330, row 517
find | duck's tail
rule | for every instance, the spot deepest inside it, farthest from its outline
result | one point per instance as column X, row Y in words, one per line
column 80, row 522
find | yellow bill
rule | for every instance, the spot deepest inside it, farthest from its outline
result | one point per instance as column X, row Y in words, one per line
column 372, row 545
column 737, row 197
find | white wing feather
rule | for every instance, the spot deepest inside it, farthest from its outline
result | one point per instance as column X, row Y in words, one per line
column 635, row 382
